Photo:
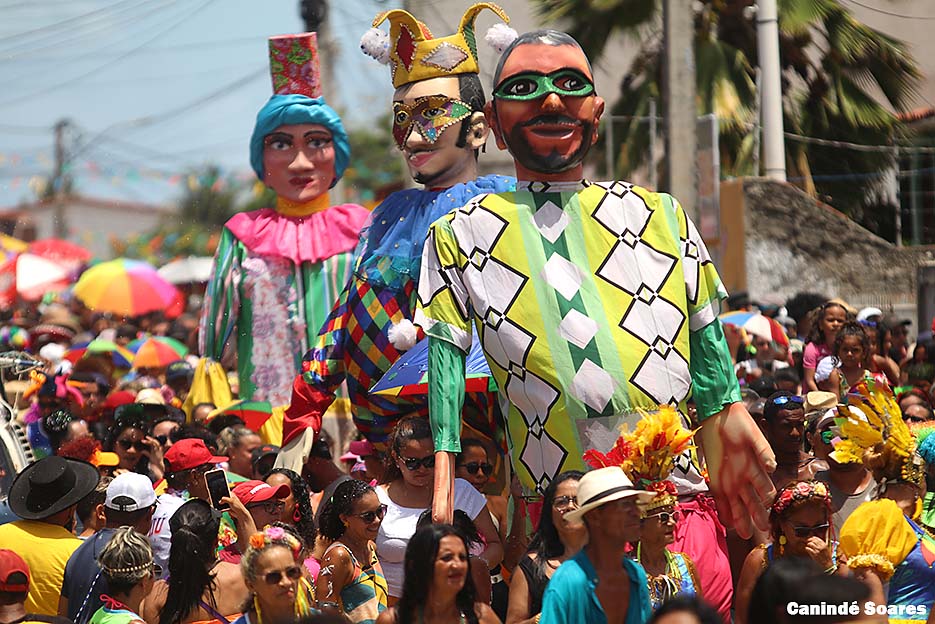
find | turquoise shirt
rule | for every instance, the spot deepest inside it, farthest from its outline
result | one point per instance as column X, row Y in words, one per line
column 571, row 595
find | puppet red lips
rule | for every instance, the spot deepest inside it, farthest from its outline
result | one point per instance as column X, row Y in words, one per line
column 417, row 159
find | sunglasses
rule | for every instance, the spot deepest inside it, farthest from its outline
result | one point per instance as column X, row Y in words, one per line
column 665, row 516
column 564, row 503
column 818, row 530
column 162, row 438
column 126, row 444
column 369, row 516
column 272, row 507
column 827, row 436
column 293, row 573
column 413, row 463
column 783, row 400
column 473, row 467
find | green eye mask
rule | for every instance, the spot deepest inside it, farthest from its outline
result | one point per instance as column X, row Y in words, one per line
column 532, row 85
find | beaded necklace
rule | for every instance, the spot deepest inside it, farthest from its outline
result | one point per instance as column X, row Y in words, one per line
column 665, row 585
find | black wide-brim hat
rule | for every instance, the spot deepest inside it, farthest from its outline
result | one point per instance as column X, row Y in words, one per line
column 51, row 485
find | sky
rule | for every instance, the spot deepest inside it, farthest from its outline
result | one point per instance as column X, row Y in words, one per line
column 154, row 88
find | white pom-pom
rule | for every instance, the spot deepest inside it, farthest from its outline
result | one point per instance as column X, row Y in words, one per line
column 376, row 44
column 500, row 36
column 403, row 335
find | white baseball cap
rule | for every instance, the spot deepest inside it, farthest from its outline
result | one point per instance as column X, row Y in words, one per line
column 130, row 491
column 866, row 313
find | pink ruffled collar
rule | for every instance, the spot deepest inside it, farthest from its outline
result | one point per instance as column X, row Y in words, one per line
column 312, row 238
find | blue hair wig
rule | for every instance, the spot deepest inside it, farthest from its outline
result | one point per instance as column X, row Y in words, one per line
column 282, row 110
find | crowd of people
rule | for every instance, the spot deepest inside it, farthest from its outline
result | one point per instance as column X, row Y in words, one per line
column 752, row 467
column 118, row 521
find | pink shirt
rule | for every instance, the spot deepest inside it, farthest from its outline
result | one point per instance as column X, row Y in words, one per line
column 813, row 354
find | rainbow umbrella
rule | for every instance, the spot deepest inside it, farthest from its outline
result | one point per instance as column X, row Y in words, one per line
column 253, row 413
column 157, row 352
column 125, row 287
column 409, row 374
column 757, row 324
column 122, row 357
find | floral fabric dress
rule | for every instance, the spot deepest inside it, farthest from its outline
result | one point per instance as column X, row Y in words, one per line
column 275, row 279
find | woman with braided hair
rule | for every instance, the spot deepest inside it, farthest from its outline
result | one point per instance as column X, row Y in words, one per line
column 199, row 588
column 127, row 564
column 272, row 570
column 351, row 581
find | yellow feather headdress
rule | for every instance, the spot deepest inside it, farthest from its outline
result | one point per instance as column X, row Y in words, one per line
column 647, row 455
column 870, row 422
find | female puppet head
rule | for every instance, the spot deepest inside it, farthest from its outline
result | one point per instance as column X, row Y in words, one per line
column 299, row 147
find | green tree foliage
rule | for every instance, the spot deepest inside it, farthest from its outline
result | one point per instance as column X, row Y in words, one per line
column 840, row 81
column 375, row 161
column 208, row 200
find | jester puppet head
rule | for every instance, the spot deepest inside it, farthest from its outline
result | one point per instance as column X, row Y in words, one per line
column 438, row 119
column 299, row 147
column 545, row 109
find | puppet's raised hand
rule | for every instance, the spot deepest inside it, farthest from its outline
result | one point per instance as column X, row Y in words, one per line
column 443, row 499
column 739, row 461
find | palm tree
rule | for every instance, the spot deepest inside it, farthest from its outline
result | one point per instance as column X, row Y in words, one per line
column 831, row 66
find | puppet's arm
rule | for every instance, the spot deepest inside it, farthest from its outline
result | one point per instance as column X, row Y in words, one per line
column 446, row 398
column 738, row 457
column 222, row 299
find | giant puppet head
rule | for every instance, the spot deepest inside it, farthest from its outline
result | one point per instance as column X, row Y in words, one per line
column 545, row 109
column 299, row 147
column 438, row 119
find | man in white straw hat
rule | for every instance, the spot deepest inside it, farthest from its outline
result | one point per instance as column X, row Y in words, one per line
column 600, row 579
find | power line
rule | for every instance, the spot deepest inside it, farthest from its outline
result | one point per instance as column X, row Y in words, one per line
column 171, row 156
column 183, row 47
column 120, row 58
column 892, row 13
column 150, row 120
column 59, row 42
column 859, row 147
column 66, row 24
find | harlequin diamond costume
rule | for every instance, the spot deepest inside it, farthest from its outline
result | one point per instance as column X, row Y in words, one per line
column 879, row 536
column 647, row 455
column 279, row 270
column 592, row 300
column 370, row 325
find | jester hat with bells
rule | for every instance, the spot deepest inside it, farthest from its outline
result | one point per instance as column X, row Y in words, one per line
column 414, row 54
column 647, row 455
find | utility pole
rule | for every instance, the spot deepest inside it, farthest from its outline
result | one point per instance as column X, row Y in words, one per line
column 57, row 183
column 315, row 15
column 679, row 94
column 767, row 42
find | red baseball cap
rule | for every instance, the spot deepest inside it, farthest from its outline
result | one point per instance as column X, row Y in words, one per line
column 10, row 564
column 190, row 453
column 117, row 398
column 362, row 448
column 258, row 492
